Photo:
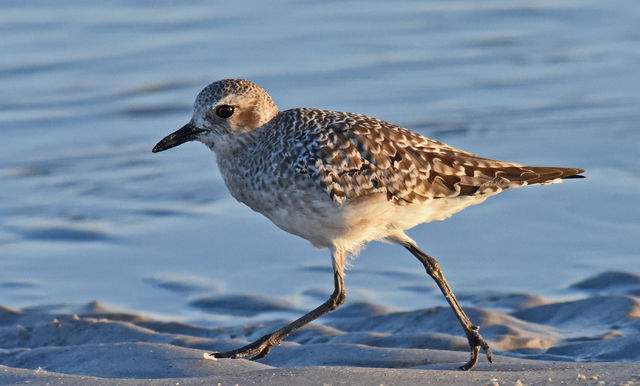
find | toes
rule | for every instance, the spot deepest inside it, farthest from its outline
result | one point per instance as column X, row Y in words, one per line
column 263, row 352
column 219, row 355
column 473, row 360
column 256, row 350
column 476, row 343
column 489, row 354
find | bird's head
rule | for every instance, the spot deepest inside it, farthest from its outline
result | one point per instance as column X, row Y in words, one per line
column 224, row 108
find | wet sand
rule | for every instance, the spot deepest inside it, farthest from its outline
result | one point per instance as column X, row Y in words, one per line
column 535, row 342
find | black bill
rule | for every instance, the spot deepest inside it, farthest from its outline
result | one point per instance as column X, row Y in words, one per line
column 184, row 134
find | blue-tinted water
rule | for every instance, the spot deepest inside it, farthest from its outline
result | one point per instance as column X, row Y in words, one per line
column 87, row 212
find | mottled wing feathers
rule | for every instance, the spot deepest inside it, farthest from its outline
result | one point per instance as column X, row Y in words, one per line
column 352, row 156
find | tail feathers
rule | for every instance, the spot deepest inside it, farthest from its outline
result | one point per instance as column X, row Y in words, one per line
column 542, row 174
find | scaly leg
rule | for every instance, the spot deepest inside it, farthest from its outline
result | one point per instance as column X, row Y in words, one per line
column 473, row 336
column 261, row 347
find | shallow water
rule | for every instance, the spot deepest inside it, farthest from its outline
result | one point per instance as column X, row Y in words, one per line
column 87, row 212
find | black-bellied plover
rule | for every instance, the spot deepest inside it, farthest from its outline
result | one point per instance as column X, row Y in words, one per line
column 340, row 180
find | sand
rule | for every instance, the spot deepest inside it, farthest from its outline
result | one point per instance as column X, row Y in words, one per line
column 590, row 340
column 88, row 212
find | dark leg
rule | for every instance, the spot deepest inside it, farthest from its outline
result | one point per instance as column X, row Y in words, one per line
column 475, row 339
column 261, row 347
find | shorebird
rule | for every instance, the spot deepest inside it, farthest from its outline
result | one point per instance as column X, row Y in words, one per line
column 341, row 180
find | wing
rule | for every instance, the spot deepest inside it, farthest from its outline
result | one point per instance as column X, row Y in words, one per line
column 351, row 156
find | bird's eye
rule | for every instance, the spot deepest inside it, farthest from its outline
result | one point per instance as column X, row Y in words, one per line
column 224, row 111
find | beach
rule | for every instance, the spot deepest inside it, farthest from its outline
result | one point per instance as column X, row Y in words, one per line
column 122, row 266
column 535, row 342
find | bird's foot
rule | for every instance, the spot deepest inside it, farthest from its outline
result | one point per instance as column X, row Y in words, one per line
column 476, row 342
column 256, row 350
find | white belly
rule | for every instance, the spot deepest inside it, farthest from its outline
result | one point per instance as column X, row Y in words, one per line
column 348, row 226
